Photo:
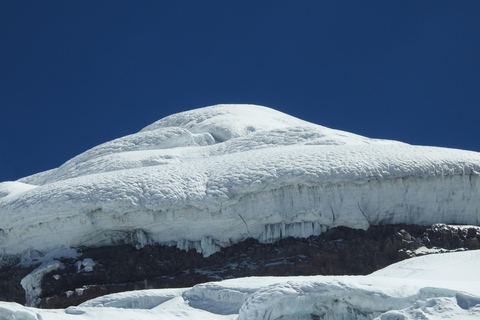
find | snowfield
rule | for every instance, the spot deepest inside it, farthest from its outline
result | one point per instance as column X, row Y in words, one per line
column 214, row 176
column 442, row 286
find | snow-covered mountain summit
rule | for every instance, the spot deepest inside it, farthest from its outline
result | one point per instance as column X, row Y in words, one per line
column 214, row 176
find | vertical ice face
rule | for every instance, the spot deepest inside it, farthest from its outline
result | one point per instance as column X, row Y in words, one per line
column 210, row 177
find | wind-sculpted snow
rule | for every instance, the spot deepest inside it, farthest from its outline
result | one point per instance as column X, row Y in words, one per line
column 413, row 289
column 140, row 299
column 210, row 177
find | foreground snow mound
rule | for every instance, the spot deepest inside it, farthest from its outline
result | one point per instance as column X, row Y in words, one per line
column 412, row 289
column 442, row 286
column 210, row 177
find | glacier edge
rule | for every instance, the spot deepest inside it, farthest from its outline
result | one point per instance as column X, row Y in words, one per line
column 211, row 177
column 267, row 215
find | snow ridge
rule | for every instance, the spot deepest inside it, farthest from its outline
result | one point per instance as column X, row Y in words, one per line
column 210, row 177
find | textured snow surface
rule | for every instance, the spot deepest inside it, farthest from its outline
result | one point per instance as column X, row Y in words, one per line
column 210, row 177
column 442, row 286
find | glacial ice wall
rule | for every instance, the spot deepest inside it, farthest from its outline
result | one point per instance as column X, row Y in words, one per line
column 214, row 176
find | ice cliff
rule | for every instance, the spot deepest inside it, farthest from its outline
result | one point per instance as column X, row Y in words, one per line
column 214, row 176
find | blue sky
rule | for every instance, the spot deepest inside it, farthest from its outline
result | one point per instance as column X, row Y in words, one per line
column 74, row 74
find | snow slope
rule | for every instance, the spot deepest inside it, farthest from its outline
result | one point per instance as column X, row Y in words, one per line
column 214, row 176
column 413, row 289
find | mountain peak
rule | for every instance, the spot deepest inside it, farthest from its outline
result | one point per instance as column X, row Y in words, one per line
column 227, row 121
column 214, row 176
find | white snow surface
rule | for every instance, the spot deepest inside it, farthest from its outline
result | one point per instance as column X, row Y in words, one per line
column 214, row 176
column 442, row 286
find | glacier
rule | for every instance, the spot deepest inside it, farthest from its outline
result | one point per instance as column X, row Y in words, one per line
column 210, row 177
column 433, row 287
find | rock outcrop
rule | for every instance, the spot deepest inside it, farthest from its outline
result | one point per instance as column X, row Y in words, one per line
column 339, row 251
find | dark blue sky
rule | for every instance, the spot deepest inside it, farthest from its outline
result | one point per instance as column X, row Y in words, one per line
column 74, row 74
